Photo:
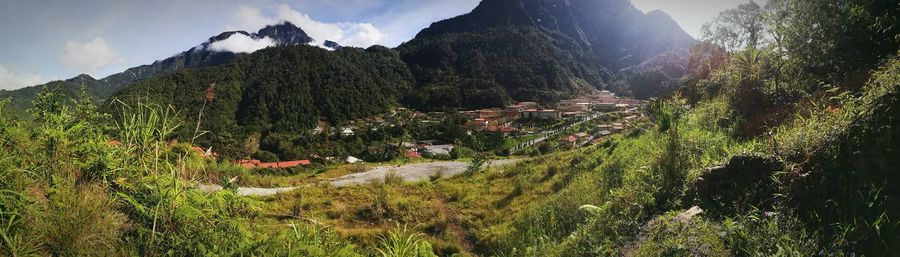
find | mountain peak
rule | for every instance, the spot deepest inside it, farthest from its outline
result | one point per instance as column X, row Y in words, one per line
column 285, row 33
column 331, row 44
column 226, row 35
column 81, row 77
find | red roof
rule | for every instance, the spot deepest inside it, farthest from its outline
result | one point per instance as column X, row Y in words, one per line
column 571, row 139
column 413, row 154
column 258, row 164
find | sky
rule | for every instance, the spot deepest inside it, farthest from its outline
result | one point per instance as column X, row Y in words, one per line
column 45, row 40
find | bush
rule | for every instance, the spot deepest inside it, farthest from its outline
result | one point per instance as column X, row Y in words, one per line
column 669, row 236
column 81, row 221
column 402, row 243
column 266, row 156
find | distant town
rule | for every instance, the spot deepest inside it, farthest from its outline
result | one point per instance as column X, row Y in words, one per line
column 525, row 124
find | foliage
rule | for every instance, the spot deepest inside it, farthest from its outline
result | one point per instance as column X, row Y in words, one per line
column 81, row 222
column 463, row 70
column 402, row 243
column 278, row 90
column 739, row 28
column 668, row 235
column 476, row 164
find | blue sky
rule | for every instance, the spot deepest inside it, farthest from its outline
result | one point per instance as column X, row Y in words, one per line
column 44, row 40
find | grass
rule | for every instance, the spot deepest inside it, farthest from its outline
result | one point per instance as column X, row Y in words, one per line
column 835, row 195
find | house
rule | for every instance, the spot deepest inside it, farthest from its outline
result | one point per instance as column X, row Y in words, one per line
column 574, row 114
column 479, row 123
column 489, row 114
column 413, row 154
column 250, row 164
column 604, row 133
column 434, row 150
column 518, row 108
column 504, row 130
column 547, row 114
column 352, row 160
column 347, row 132
column 570, row 139
column 469, row 115
column 574, row 105
column 605, row 107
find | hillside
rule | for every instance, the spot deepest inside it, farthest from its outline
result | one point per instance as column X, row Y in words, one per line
column 280, row 89
column 196, row 57
column 562, row 48
column 783, row 146
column 21, row 99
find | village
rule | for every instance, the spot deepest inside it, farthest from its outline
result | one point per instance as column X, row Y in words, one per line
column 517, row 129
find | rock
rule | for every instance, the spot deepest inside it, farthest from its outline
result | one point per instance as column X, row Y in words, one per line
column 741, row 185
column 687, row 215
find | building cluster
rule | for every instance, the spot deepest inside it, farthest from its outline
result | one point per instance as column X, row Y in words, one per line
column 428, row 148
column 499, row 119
column 600, row 133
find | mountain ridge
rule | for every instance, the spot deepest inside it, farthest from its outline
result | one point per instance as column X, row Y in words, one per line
column 284, row 33
column 587, row 45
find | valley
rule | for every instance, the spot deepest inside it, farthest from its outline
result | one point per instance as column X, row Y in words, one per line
column 520, row 128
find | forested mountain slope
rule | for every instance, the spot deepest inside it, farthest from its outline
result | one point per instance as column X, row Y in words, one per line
column 196, row 57
column 539, row 50
column 285, row 88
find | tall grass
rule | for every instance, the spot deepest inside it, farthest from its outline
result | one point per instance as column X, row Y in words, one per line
column 402, row 243
column 143, row 130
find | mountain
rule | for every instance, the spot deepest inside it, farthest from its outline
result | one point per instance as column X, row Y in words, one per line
column 21, row 99
column 539, row 50
column 283, row 89
column 332, row 45
column 200, row 56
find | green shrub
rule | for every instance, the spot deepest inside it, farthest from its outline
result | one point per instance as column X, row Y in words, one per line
column 266, row 156
column 81, row 221
column 307, row 241
column 670, row 236
column 402, row 243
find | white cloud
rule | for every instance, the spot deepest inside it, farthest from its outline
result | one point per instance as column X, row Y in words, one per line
column 251, row 19
column 345, row 33
column 12, row 80
column 240, row 43
column 91, row 56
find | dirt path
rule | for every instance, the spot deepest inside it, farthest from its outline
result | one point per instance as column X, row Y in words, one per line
column 409, row 173
column 453, row 225
column 248, row 191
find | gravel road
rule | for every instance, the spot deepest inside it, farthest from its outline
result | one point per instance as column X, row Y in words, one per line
column 409, row 172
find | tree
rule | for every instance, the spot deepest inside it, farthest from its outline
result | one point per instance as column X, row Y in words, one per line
column 739, row 28
column 830, row 40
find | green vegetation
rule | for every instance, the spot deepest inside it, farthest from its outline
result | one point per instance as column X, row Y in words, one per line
column 271, row 100
column 22, row 99
column 462, row 70
column 764, row 151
